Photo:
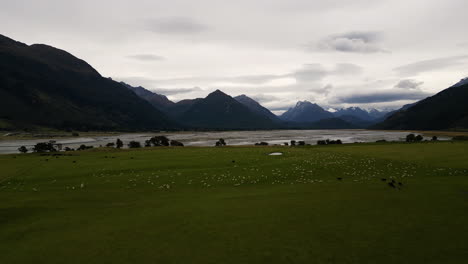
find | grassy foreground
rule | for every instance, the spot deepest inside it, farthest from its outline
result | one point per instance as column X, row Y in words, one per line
column 238, row 205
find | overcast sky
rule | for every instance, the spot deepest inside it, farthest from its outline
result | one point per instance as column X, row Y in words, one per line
column 337, row 53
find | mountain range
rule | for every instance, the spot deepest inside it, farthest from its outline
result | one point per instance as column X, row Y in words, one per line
column 42, row 86
column 48, row 87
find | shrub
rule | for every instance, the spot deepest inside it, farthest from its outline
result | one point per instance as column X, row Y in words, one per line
column 84, row 147
column 119, row 143
column 23, row 149
column 110, row 145
column 134, row 144
column 410, row 138
column 176, row 143
column 261, row 144
column 44, row 147
column 220, row 143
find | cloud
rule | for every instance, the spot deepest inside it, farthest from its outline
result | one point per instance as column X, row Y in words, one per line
column 356, row 42
column 384, row 96
column 146, row 57
column 431, row 65
column 264, row 98
column 172, row 91
column 176, row 25
column 409, row 84
column 316, row 72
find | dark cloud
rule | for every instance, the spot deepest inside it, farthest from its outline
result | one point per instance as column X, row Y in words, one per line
column 169, row 91
column 383, row 96
column 409, row 84
column 146, row 57
column 356, row 41
column 264, row 98
column 176, row 25
column 431, row 65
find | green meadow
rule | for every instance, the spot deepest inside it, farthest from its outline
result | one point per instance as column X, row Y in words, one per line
column 356, row 203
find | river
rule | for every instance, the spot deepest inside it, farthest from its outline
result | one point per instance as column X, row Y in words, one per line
column 236, row 138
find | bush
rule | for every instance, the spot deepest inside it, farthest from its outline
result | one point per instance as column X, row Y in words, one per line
column 119, row 143
column 261, row 144
column 176, row 143
column 23, row 149
column 410, row 138
column 419, row 138
column 44, row 147
column 301, row 143
column 220, row 143
column 110, row 145
column 84, row 147
column 134, row 144
column 434, row 138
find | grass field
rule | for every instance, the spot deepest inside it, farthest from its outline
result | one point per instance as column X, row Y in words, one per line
column 238, row 205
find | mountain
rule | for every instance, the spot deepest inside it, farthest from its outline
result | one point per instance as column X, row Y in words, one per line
column 354, row 111
column 257, row 108
column 376, row 114
column 445, row 110
column 157, row 100
column 44, row 86
column 220, row 111
column 305, row 111
column 356, row 121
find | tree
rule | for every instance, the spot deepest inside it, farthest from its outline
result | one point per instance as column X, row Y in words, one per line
column 23, row 149
column 419, row 138
column 410, row 138
column 147, row 143
column 293, row 142
column 134, row 144
column 301, row 143
column 434, row 138
column 44, row 147
column 176, row 143
column 119, row 143
column 220, row 142
column 84, row 147
column 160, row 141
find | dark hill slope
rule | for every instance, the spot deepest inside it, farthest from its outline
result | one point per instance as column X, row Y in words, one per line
column 44, row 86
column 220, row 111
column 445, row 110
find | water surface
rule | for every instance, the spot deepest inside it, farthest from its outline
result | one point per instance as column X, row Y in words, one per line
column 236, row 138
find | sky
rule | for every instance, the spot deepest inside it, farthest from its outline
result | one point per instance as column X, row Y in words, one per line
column 337, row 53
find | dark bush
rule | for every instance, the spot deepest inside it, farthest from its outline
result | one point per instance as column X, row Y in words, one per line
column 134, row 144
column 220, row 143
column 110, row 145
column 301, row 143
column 44, row 147
column 410, row 138
column 175, row 143
column 119, row 143
column 419, row 138
column 84, row 147
column 23, row 149
column 434, row 138
column 293, row 142
column 159, row 141
column 261, row 144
